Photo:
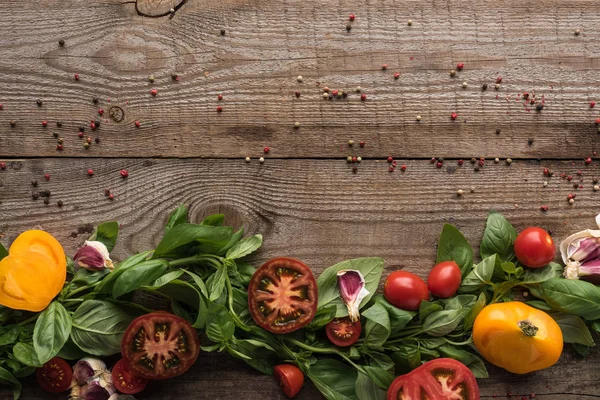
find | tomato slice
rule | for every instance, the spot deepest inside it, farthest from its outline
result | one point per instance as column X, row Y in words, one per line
column 160, row 346
column 125, row 381
column 290, row 378
column 343, row 332
column 440, row 379
column 55, row 376
column 282, row 295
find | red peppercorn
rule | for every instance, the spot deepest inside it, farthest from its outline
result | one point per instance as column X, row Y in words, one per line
column 297, row 94
column 439, row 164
column 525, row 95
column 433, row 159
column 351, row 17
column 101, row 111
column 499, row 79
column 354, row 159
column 80, row 134
column 394, row 163
column 544, row 208
column 391, row 169
column 47, row 177
column 569, row 197
column 363, row 97
column 2, row 165
column 88, row 140
column 106, row 192
column 153, row 92
column 403, row 167
column 460, row 66
column 454, row 115
column 597, row 121
column 390, row 159
column 592, row 104
column 90, row 172
column 574, row 195
column 1, row 106
column 220, row 97
column 546, row 172
column 44, row 123
column 384, row 66
column 461, row 162
column 569, row 178
column 481, row 163
column 362, row 144
column 266, row 149
column 334, row 92
column 219, row 109
column 93, row 126
column 111, row 196
column 76, row 77
column 396, row 75
column 124, row 173
column 137, row 124
column 59, row 147
column 588, row 161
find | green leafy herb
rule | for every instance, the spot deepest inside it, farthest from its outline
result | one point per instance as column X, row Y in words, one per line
column 244, row 247
column 177, row 217
column 334, row 379
column 181, row 238
column 52, row 330
column 9, row 379
column 441, row 323
column 168, row 277
column 25, row 353
column 214, row 220
column 574, row 330
column 572, row 297
column 377, row 327
column 454, row 247
column 481, row 275
column 367, row 389
column 498, row 238
column 106, row 233
column 3, row 251
column 142, row 274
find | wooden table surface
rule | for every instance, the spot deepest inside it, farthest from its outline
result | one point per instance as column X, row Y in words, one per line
column 305, row 198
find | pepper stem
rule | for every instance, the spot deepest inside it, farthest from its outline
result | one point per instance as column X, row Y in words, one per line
column 528, row 328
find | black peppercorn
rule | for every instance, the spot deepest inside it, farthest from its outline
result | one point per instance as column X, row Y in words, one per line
column 46, row 201
column 55, row 134
column 476, row 169
column 61, row 42
column 38, row 102
column 348, row 27
column 529, row 142
column 82, row 128
column 97, row 123
column 539, row 107
column 34, row 183
column 95, row 100
column 13, row 123
column 35, row 195
column 484, row 87
column 498, row 131
column 473, row 160
column 59, row 203
column 58, row 124
column 97, row 140
column 222, row 32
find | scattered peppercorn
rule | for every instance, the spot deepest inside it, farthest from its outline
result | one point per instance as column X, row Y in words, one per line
column 351, row 17
column 59, row 147
column 481, row 163
column 544, row 208
column 384, row 67
column 484, row 87
column 93, row 126
column 61, row 42
column 261, row 160
column 595, row 180
column 111, row 196
column 35, row 195
column 34, row 183
column 390, row 159
column 349, row 159
column 477, row 168
column 76, row 76
column 460, row 192
column 396, row 75
column 473, row 160
column 151, row 79
column 577, row 32
column 46, row 176
column 325, row 95
column 44, row 123
column 95, row 100
column 153, row 92
column 348, row 27
column 419, row 117
column 80, row 134
column 247, row 159
column 539, row 107
column 55, row 134
column 223, row 32
column 219, row 109
column 296, row 125
column 59, row 203
column 403, row 167
column 297, row 94
column 394, row 163
column 498, row 131
column 592, row 104
column 124, row 173
column 460, row 66
column 439, row 164
column 496, row 160
column 2, row 166
column 38, row 102
column 530, row 141
column 354, row 159
column 410, row 22
column 361, row 144
column 509, row 161
column 454, row 115
column 464, row 85
column 596, row 188
column 358, row 159
column 13, row 123
column 46, row 201
column 497, row 86
column 86, row 145
column 335, row 92
column 460, row 162
column 453, row 73
column 299, row 78
column 391, row 169
column 588, row 161
column 363, row 97
column 174, row 76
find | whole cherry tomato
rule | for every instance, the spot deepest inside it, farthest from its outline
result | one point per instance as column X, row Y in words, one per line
column 534, row 248
column 444, row 279
column 405, row 290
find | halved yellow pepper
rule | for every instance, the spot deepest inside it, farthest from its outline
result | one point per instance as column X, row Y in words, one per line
column 33, row 273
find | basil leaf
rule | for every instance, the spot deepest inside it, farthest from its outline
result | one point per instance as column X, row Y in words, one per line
column 177, row 217
column 24, row 372
column 441, row 323
column 106, row 234
column 25, row 353
column 574, row 330
column 581, row 349
column 398, row 318
column 329, row 293
column 178, row 241
column 259, row 355
column 106, row 285
column 199, row 282
column 539, row 304
column 458, row 302
column 334, row 379
column 214, row 220
column 139, row 275
column 168, row 277
column 8, row 378
column 475, row 310
column 481, row 275
column 98, row 327
column 377, row 327
column 244, row 247
column 381, row 360
column 219, row 324
column 474, row 363
column 3, row 251
column 596, row 326
column 498, row 238
column 366, row 389
column 216, row 283
column 572, row 297
column 406, row 358
column 84, row 277
column 539, row 275
column 322, row 317
column 433, row 343
column 9, row 334
column 52, row 329
column 236, row 237
column 70, row 351
column 454, row 247
column 427, row 308
column 380, row 376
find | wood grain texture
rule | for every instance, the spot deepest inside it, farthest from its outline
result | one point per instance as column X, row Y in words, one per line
column 318, row 211
column 267, row 44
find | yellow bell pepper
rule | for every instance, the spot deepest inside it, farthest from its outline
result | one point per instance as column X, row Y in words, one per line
column 33, row 273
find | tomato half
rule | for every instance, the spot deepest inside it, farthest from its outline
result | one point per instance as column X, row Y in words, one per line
column 125, row 381
column 405, row 290
column 55, row 376
column 290, row 378
column 343, row 332
column 282, row 295
column 443, row 378
column 534, row 248
column 444, row 279
column 160, row 346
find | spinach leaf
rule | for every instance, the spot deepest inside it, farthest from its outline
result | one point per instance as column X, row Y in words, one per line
column 25, row 353
column 9, row 334
column 454, row 247
column 366, row 389
column 219, row 324
column 98, row 326
column 474, row 363
column 177, row 217
column 244, row 247
column 498, row 238
column 398, row 318
column 214, row 220
column 334, row 379
column 52, row 329
column 441, row 323
column 475, row 310
column 572, row 297
column 3, row 251
column 574, row 330
column 142, row 274
column 481, row 275
column 427, row 308
column 181, row 238
column 377, row 327
column 168, row 277
column 329, row 293
column 539, row 275
column 106, row 233
column 8, row 378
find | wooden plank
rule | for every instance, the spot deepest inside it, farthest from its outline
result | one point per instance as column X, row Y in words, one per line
column 318, row 211
column 267, row 44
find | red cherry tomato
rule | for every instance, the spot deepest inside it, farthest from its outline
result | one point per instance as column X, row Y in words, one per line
column 444, row 279
column 343, row 332
column 405, row 290
column 55, row 376
column 283, row 295
column 534, row 248
column 125, row 381
column 290, row 378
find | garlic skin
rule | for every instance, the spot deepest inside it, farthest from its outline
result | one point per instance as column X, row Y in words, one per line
column 352, row 289
column 581, row 255
column 93, row 255
column 87, row 369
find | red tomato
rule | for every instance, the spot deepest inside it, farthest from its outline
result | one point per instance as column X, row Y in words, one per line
column 343, row 332
column 160, row 346
column 290, row 378
column 443, row 378
column 534, row 248
column 55, row 376
column 405, row 290
column 282, row 295
column 125, row 381
column 444, row 279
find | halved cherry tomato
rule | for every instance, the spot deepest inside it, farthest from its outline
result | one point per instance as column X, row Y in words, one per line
column 125, row 381
column 444, row 279
column 343, row 332
column 534, row 247
column 160, row 346
column 405, row 290
column 290, row 378
column 55, row 376
column 443, row 378
column 282, row 295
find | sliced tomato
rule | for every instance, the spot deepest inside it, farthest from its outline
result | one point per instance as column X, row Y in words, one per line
column 343, row 332
column 290, row 378
column 55, row 376
column 282, row 295
column 440, row 379
column 125, row 381
column 160, row 346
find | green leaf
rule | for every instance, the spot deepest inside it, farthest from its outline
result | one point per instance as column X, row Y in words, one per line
column 475, row 310
column 8, row 378
column 106, row 233
column 3, row 251
column 380, row 376
column 142, row 274
column 107, row 283
column 259, row 355
column 509, row 267
column 168, row 277
column 441, row 323
column 216, row 285
column 199, row 282
column 481, row 275
column 458, row 301
column 377, row 327
column 244, row 247
column 98, row 326
column 498, row 238
column 574, row 330
column 581, row 349
column 427, row 308
column 407, row 357
column 596, row 326
column 178, row 241
column 52, row 329
column 381, row 360
column 84, row 277
column 329, row 293
column 539, row 275
column 572, row 297
column 214, row 220
column 25, row 353
column 9, row 334
column 334, row 379
column 219, row 324
column 454, row 247
column 474, row 363
column 367, row 389
column 322, row 318
column 236, row 237
column 539, row 304
column 70, row 351
column 398, row 318
column 177, row 217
